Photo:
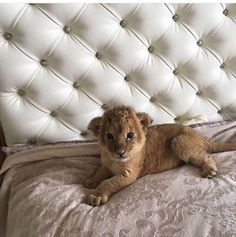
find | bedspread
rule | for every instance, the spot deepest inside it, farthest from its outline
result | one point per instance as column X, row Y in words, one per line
column 42, row 195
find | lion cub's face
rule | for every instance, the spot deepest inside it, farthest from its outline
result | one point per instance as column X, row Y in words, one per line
column 121, row 132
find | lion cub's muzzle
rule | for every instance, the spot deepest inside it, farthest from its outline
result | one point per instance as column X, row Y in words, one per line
column 121, row 154
column 120, row 151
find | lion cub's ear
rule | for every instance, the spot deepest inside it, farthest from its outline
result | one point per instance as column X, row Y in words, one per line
column 145, row 119
column 95, row 125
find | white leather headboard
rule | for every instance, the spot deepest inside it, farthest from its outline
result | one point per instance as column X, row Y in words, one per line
column 63, row 64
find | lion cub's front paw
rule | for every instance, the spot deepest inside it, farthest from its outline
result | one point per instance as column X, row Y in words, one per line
column 90, row 183
column 96, row 199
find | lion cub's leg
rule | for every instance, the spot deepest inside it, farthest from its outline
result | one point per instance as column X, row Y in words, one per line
column 191, row 149
column 101, row 174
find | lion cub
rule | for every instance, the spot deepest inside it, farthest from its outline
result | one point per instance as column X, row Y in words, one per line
column 130, row 148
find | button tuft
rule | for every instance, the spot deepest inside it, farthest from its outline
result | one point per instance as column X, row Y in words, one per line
column 98, row 55
column 84, row 133
column 153, row 99
column 76, row 84
column 32, row 141
column 104, row 106
column 123, row 23
column 67, row 29
column 222, row 65
column 177, row 118
column 21, row 92
column 226, row 12
column 151, row 49
column 8, row 36
column 199, row 93
column 44, row 62
column 175, row 17
column 53, row 113
column 200, row 42
column 176, row 71
column 220, row 111
column 127, row 78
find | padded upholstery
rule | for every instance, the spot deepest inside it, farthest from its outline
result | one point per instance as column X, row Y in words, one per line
column 2, row 143
column 63, row 64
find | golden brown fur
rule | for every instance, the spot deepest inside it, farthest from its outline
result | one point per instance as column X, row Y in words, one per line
column 130, row 148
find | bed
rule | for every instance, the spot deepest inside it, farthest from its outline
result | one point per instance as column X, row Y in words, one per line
column 61, row 65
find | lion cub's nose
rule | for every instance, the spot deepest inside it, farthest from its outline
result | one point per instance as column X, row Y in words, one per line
column 120, row 152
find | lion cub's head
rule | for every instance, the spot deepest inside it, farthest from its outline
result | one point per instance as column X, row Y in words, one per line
column 121, row 131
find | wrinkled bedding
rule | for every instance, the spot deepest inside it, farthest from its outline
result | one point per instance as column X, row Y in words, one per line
column 42, row 195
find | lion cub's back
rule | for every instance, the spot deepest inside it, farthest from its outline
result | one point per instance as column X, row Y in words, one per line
column 167, row 131
column 158, row 154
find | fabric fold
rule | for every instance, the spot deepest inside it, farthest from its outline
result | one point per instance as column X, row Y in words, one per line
column 49, row 152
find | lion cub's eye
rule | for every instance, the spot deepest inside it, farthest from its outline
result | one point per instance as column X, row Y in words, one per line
column 130, row 135
column 109, row 136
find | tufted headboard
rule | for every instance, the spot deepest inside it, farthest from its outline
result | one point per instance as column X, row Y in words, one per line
column 63, row 64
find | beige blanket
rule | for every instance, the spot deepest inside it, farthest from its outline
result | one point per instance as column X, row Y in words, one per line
column 42, row 196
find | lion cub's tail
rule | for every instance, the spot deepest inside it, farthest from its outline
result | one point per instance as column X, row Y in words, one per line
column 214, row 147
